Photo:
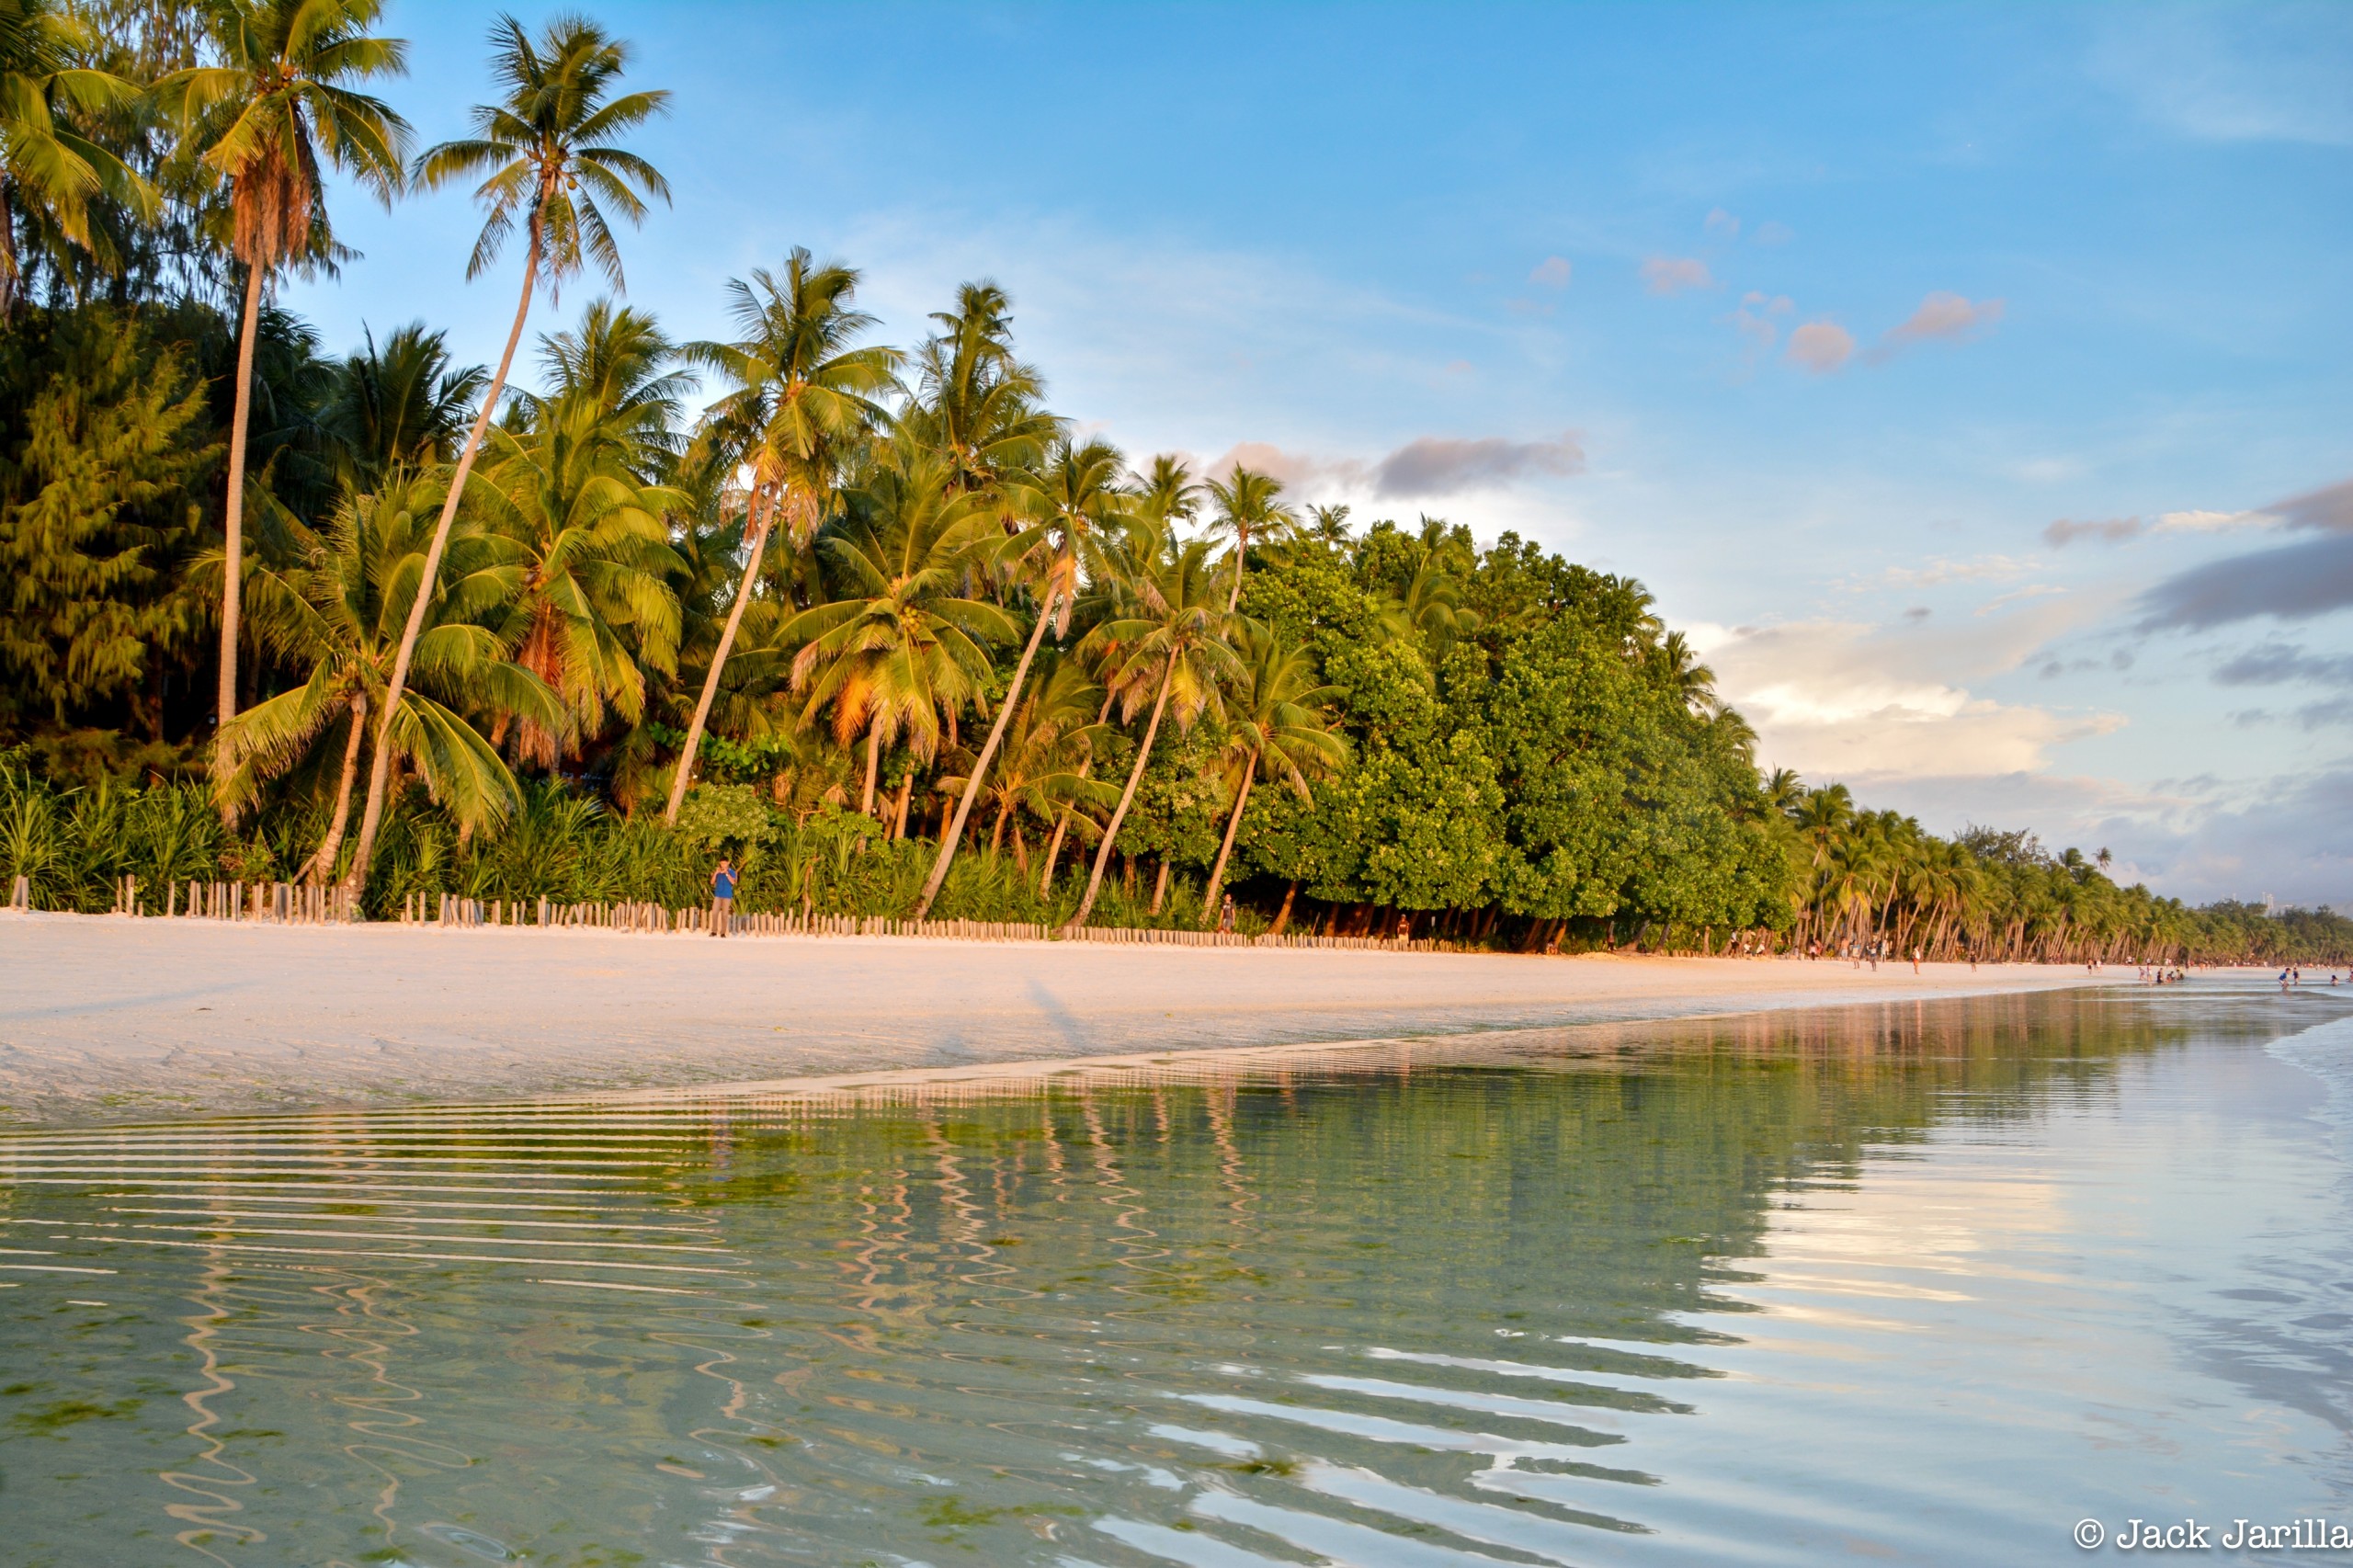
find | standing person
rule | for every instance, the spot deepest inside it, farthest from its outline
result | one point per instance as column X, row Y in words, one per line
column 1225, row 914
column 722, row 897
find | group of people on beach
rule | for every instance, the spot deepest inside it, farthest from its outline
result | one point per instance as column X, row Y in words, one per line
column 2293, row 975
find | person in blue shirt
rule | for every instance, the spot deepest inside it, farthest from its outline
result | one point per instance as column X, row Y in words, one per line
column 722, row 897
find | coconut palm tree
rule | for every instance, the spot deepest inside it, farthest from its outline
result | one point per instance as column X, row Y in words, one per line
column 902, row 649
column 803, row 401
column 49, row 170
column 1168, row 491
column 546, row 153
column 1167, row 644
column 1328, row 524
column 338, row 612
column 1278, row 724
column 258, row 120
column 1051, row 736
column 1677, row 665
column 400, row 406
column 590, row 563
column 1077, row 496
column 975, row 402
column 1248, row 503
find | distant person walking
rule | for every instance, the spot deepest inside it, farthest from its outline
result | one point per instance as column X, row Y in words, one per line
column 722, row 897
column 1225, row 914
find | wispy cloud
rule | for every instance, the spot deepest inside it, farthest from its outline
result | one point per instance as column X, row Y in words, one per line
column 1675, row 275
column 1427, row 466
column 1552, row 272
column 1723, row 222
column 1435, row 465
column 2066, row 530
column 2295, row 582
column 2236, row 73
column 2281, row 663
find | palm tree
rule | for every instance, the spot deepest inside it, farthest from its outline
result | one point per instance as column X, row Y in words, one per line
column 1677, row 666
column 1168, row 491
column 1047, row 743
column 1276, row 724
column 590, row 537
column 901, row 648
column 977, row 403
column 1168, row 638
column 48, row 168
column 401, row 405
column 258, row 120
column 1328, row 524
column 338, row 611
column 1078, row 492
column 804, row 400
column 1248, row 504
column 548, row 137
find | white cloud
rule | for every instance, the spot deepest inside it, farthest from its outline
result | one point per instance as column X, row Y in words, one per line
column 1723, row 222
column 2205, row 522
column 1840, row 698
column 1552, row 272
column 1773, row 233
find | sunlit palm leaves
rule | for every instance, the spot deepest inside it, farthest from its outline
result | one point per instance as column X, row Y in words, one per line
column 903, row 648
column 338, row 613
column 49, row 168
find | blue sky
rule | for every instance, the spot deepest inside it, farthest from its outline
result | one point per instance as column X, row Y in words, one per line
column 1971, row 381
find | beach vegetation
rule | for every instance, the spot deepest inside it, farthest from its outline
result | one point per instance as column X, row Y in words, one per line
column 880, row 624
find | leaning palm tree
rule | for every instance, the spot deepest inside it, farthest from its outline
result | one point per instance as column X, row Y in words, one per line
column 1166, row 646
column 1052, row 733
column 548, row 137
column 1078, row 492
column 49, row 169
column 901, row 648
column 259, row 120
column 803, row 401
column 338, row 612
column 1248, row 503
column 1277, row 723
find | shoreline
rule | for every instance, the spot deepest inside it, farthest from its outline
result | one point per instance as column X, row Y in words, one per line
column 107, row 1018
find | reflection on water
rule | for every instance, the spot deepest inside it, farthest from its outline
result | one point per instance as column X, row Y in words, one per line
column 1922, row 1283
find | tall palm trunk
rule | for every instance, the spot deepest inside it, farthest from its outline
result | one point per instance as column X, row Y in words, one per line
column 1126, row 798
column 380, row 767
column 1241, row 549
column 874, row 761
column 950, row 839
column 234, row 514
column 1225, row 850
column 322, row 865
column 719, row 664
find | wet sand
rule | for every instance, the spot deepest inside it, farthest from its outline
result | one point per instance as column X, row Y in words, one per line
column 105, row 1018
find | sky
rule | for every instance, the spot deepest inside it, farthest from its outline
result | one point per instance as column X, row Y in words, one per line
column 1973, row 383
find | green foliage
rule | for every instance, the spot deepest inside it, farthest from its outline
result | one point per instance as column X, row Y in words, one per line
column 95, row 510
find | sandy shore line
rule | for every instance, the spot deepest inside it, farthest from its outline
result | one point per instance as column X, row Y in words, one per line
column 107, row 1018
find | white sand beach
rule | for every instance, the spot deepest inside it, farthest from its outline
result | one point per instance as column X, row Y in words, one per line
column 110, row 1018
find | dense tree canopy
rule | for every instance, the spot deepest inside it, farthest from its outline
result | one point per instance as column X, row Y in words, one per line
column 895, row 634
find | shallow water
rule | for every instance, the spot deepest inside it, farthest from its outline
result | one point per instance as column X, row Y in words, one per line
column 1925, row 1283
